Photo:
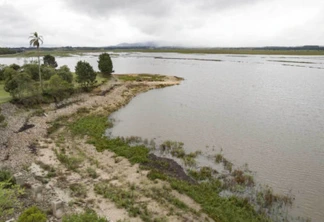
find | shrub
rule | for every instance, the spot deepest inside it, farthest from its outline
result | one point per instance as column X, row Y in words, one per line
column 32, row 70
column 9, row 201
column 92, row 172
column 2, row 118
column 72, row 163
column 218, row 158
column 105, row 64
column 47, row 72
column 19, row 85
column 15, row 66
column 6, row 176
column 32, row 214
column 65, row 73
column 58, row 88
column 88, row 215
column 78, row 190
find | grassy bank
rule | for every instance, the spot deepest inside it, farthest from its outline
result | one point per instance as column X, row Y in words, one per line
column 4, row 96
column 205, row 193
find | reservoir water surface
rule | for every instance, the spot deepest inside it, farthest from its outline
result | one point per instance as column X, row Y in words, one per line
column 266, row 111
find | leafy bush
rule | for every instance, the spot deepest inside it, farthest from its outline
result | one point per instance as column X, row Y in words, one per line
column 58, row 88
column 9, row 201
column 32, row 214
column 47, row 72
column 32, row 70
column 92, row 172
column 87, row 216
column 6, row 176
column 65, row 73
column 19, row 85
column 105, row 64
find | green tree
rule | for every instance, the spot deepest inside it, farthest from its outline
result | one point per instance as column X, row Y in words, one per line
column 8, row 74
column 65, row 73
column 49, row 60
column 35, row 41
column 32, row 214
column 2, row 68
column 86, row 76
column 105, row 64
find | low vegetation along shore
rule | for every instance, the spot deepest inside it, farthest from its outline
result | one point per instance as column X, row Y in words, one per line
column 65, row 169
column 64, row 52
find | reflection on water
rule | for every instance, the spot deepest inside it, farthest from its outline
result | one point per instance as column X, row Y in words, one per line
column 266, row 111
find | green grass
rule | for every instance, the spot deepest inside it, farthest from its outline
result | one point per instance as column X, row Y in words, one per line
column 94, row 126
column 87, row 216
column 78, row 190
column 4, row 96
column 128, row 199
column 141, row 78
column 218, row 208
column 71, row 162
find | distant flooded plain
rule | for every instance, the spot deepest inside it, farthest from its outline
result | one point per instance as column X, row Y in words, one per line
column 266, row 111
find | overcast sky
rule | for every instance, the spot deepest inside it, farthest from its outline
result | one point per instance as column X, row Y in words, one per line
column 211, row 23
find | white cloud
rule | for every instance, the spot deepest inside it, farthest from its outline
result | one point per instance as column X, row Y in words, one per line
column 178, row 22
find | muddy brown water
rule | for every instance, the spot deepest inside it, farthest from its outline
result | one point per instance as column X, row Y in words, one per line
column 266, row 111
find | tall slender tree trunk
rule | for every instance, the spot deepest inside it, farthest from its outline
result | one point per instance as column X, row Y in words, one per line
column 39, row 72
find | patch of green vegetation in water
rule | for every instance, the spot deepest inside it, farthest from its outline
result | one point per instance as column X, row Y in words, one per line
column 204, row 193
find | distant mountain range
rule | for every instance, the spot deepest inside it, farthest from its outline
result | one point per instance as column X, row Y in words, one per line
column 137, row 44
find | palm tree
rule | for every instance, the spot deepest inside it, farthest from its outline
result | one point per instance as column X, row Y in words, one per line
column 35, row 41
